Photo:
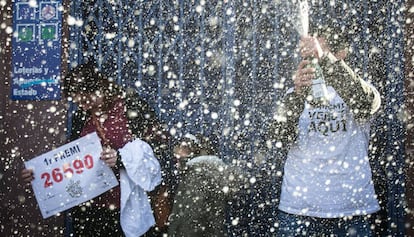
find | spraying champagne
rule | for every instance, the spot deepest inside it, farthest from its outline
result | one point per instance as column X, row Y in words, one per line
column 319, row 91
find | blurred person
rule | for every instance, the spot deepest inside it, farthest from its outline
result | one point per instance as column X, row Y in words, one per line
column 327, row 187
column 127, row 126
column 205, row 185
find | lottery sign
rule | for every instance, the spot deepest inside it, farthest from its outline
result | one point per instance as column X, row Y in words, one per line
column 70, row 175
column 36, row 50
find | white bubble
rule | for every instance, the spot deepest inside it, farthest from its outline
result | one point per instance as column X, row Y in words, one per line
column 235, row 221
column 199, row 9
column 9, row 30
column 33, row 3
column 131, row 43
column 68, row 175
column 345, row 165
column 79, row 23
column 229, row 11
column 110, row 35
column 279, row 144
column 71, row 20
column 183, row 104
column 151, row 70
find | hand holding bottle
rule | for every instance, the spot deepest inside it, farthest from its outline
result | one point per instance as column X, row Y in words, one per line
column 311, row 51
column 303, row 77
column 310, row 47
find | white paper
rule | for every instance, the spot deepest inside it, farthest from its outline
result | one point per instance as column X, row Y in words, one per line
column 70, row 175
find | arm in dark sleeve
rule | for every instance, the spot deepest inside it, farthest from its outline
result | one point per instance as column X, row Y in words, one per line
column 283, row 129
column 363, row 98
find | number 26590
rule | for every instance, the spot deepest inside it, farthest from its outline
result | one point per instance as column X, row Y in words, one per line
column 67, row 171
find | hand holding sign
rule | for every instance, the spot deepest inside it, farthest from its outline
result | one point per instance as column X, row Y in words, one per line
column 27, row 175
column 70, row 175
column 109, row 156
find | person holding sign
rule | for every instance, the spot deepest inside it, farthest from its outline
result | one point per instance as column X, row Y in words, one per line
column 120, row 119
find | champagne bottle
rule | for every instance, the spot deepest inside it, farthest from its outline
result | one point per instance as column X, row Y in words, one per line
column 319, row 91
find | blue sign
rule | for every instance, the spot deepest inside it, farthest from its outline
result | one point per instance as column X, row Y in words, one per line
column 36, row 50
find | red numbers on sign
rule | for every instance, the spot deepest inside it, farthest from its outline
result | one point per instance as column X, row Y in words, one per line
column 67, row 171
column 88, row 161
column 57, row 176
column 46, row 176
column 78, row 165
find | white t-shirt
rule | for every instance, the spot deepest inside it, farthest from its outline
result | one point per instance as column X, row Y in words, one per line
column 327, row 172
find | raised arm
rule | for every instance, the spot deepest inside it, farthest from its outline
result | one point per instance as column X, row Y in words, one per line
column 363, row 98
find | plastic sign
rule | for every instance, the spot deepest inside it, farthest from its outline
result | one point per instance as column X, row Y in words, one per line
column 36, row 50
column 70, row 175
